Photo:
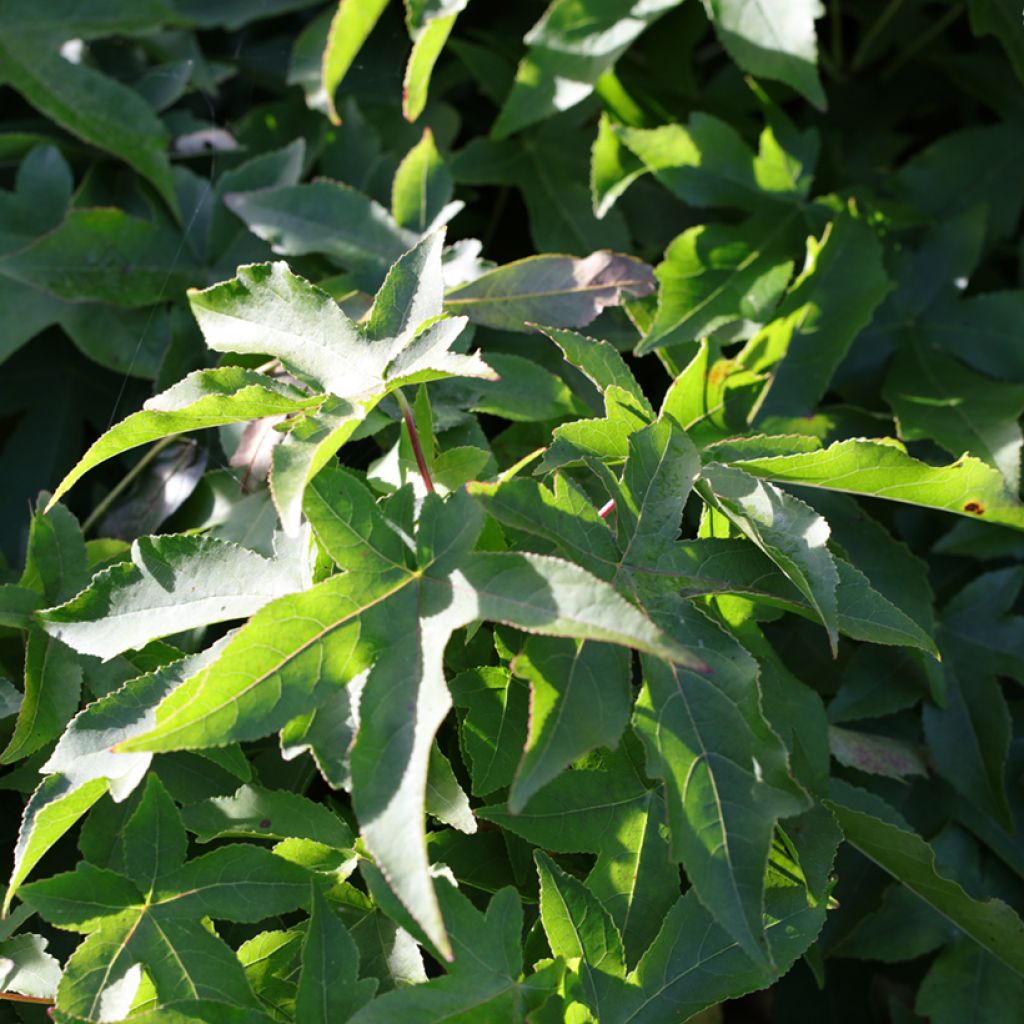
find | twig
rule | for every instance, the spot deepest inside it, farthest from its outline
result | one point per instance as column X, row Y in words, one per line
column 414, row 440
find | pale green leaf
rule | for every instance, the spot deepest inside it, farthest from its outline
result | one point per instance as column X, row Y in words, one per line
column 351, row 26
column 173, row 583
column 789, row 532
column 884, row 470
column 422, row 185
column 206, row 398
column 716, row 274
column 425, row 52
column 571, row 46
column 773, row 39
column 26, row 968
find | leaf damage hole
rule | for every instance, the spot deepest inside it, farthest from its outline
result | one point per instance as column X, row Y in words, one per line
column 974, row 507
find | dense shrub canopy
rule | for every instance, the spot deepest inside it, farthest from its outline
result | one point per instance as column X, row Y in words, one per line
column 511, row 514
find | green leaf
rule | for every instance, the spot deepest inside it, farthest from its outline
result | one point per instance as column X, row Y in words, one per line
column 980, row 628
column 254, row 812
column 560, row 291
column 571, row 46
column 606, row 440
column 969, row 738
column 17, row 605
column 937, row 398
column 710, row 566
column 104, row 255
column 871, row 826
column 599, row 360
column 965, row 981
column 493, row 730
column 55, row 563
column 206, row 398
column 53, row 683
column 425, row 52
column 153, row 843
column 525, row 391
column 706, row 162
column 483, row 980
column 577, row 926
column 841, row 285
column 580, row 698
column 422, row 186
column 773, row 39
column 789, row 532
column 727, row 781
column 967, row 486
column 716, row 274
column 394, row 620
column 613, row 167
column 52, row 809
column 326, row 217
column 328, row 991
column 694, row 963
column 91, row 106
column 26, row 968
column 173, row 584
column 351, row 26
column 999, row 18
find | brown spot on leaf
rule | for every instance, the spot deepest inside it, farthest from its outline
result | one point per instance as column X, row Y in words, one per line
column 974, row 507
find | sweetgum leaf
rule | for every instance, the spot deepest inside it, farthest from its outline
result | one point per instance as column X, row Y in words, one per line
column 422, row 186
column 351, row 25
column 328, row 991
column 326, row 217
column 391, row 619
column 561, row 291
column 571, row 46
column 104, row 255
column 715, row 274
column 964, row 967
column 173, row 583
column 577, row 926
column 879, row 833
column 934, row 396
column 206, row 398
column 81, row 99
column 269, row 310
column 774, row 39
column 967, row 487
column 425, row 51
column 790, row 533
column 841, row 285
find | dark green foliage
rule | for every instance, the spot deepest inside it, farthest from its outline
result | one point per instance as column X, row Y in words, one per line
column 533, row 537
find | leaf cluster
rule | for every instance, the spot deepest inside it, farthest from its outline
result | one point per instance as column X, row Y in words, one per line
column 525, row 511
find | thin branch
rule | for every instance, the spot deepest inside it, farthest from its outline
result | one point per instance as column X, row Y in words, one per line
column 414, row 440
